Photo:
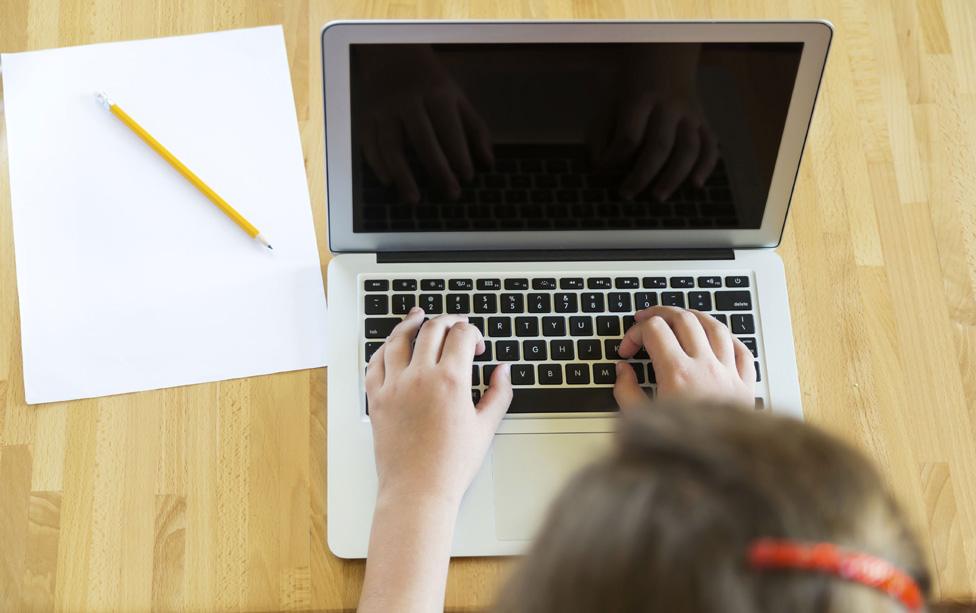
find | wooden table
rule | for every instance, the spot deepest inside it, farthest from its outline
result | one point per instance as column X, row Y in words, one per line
column 213, row 496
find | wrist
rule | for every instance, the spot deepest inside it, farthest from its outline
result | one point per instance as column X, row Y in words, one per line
column 400, row 496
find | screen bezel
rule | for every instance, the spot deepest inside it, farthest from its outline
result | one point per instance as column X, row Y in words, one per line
column 336, row 37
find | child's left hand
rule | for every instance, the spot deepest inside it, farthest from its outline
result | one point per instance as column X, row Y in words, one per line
column 429, row 438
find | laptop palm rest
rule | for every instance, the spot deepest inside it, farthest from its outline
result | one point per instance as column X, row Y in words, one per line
column 529, row 470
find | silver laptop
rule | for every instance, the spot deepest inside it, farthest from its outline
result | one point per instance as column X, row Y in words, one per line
column 549, row 179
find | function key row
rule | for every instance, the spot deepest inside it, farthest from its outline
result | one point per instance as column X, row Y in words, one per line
column 551, row 283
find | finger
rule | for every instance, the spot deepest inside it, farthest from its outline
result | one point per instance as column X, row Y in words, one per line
column 479, row 137
column 421, row 133
column 744, row 363
column 498, row 397
column 463, row 342
column 430, row 340
column 629, row 131
column 371, row 151
column 658, row 142
column 390, row 140
column 707, row 159
column 719, row 337
column 399, row 345
column 374, row 371
column 682, row 160
column 662, row 345
column 687, row 329
column 450, row 132
column 627, row 391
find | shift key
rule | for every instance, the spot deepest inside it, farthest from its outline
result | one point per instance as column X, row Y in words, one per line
column 733, row 301
column 380, row 327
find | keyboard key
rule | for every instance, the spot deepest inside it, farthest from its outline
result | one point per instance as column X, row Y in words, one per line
column 475, row 374
column 758, row 377
column 432, row 304
column 750, row 343
column 534, row 350
column 581, row 326
column 563, row 400
column 432, row 285
column 486, row 372
column 543, row 284
column 571, row 283
column 626, row 283
column 371, row 348
column 644, row 300
column 507, row 351
column 550, row 374
column 523, row 374
column 604, row 373
column 608, row 325
column 499, row 326
column 651, row 375
column 459, row 304
column 539, row 303
column 516, row 284
column 760, row 405
column 638, row 368
column 722, row 317
column 701, row 301
column 743, row 324
column 526, row 326
column 592, row 302
column 738, row 281
column 682, row 282
column 485, row 303
column 618, row 302
column 566, row 303
column 404, row 285
column 676, row 299
column 577, row 374
column 380, row 327
column 402, row 303
column 654, row 282
column 628, row 322
column 485, row 357
column 478, row 322
column 588, row 349
column 376, row 285
column 513, row 303
column 553, row 326
column 378, row 304
column 599, row 283
column 611, row 348
column 475, row 396
column 733, row 301
column 461, row 284
column 561, row 349
column 711, row 282
column 489, row 284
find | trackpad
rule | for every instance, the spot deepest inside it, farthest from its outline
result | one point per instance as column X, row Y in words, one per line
column 529, row 470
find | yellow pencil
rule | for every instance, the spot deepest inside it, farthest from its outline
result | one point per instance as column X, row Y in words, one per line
column 183, row 170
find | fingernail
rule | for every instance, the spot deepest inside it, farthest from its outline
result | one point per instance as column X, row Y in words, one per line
column 506, row 370
column 415, row 310
column 620, row 367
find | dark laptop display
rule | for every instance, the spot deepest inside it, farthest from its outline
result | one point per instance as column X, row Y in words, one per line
column 597, row 136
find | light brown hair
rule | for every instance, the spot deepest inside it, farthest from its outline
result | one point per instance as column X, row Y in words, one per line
column 663, row 524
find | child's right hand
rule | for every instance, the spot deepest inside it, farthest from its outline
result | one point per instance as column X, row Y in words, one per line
column 694, row 355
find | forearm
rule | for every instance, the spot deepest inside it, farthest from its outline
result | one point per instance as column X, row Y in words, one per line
column 409, row 552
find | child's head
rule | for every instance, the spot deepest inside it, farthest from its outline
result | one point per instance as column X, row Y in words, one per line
column 665, row 523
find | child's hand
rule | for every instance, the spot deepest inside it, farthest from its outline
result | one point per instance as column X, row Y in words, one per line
column 429, row 438
column 694, row 355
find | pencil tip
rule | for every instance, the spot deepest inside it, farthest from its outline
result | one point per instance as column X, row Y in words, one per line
column 270, row 247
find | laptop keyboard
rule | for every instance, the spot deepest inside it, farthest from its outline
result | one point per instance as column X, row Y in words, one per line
column 560, row 333
column 544, row 187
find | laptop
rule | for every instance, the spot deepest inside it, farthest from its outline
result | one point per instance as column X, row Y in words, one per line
column 549, row 179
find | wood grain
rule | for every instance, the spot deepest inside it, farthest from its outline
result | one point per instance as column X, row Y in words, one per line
column 211, row 497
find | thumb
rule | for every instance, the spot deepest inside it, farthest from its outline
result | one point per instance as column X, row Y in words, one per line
column 498, row 397
column 626, row 390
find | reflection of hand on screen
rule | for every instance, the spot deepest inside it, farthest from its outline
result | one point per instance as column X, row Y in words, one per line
column 412, row 101
column 657, row 132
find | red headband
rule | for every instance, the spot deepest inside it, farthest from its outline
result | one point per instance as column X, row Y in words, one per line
column 861, row 568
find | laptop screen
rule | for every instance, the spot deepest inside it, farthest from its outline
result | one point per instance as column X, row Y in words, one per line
column 566, row 136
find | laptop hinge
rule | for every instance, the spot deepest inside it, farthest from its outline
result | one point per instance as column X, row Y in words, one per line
column 574, row 255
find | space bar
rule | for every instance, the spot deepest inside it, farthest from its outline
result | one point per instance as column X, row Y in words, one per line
column 563, row 400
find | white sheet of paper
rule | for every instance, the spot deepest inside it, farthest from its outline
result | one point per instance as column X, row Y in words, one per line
column 129, row 278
